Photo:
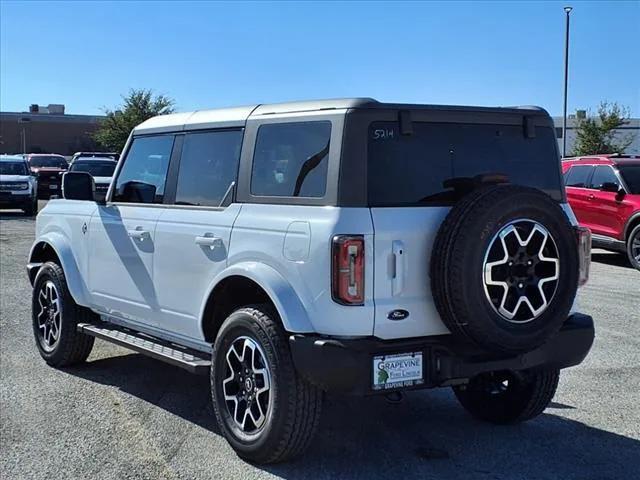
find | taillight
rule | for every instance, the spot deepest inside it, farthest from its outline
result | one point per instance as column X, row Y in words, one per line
column 584, row 254
column 348, row 269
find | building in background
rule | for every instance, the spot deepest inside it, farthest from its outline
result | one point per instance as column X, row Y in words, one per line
column 47, row 130
column 630, row 129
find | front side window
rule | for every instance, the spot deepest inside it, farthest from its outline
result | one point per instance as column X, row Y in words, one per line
column 208, row 166
column 578, row 176
column 291, row 159
column 601, row 175
column 144, row 173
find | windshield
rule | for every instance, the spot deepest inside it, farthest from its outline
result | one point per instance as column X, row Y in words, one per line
column 631, row 175
column 13, row 168
column 97, row 169
column 52, row 162
column 439, row 162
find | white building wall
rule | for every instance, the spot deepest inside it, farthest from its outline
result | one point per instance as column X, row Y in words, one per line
column 631, row 129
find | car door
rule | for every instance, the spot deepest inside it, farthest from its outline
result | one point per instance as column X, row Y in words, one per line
column 608, row 210
column 122, row 234
column 193, row 234
column 578, row 192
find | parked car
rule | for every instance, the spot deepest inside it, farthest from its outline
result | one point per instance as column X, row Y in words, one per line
column 18, row 188
column 342, row 245
column 604, row 193
column 48, row 169
column 101, row 169
column 111, row 155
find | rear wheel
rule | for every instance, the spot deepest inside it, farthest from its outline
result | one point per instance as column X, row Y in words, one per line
column 508, row 397
column 633, row 247
column 55, row 317
column 267, row 412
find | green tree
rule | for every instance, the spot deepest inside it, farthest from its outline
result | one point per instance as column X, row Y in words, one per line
column 138, row 106
column 597, row 134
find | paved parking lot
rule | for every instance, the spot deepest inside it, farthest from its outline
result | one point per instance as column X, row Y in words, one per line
column 123, row 415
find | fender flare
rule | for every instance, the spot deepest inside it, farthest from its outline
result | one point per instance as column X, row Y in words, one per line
column 288, row 305
column 627, row 226
column 75, row 282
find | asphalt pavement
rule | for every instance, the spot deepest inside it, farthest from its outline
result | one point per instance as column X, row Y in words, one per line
column 122, row 415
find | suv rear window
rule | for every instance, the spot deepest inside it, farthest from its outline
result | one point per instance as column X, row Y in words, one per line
column 432, row 165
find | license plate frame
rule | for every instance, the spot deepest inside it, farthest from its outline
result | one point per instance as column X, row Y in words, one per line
column 398, row 370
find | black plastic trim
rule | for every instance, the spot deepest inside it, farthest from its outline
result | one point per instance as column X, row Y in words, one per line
column 345, row 365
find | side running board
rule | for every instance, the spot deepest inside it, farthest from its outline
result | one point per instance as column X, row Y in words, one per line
column 191, row 360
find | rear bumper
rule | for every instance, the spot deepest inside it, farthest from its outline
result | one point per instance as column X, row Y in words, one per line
column 346, row 366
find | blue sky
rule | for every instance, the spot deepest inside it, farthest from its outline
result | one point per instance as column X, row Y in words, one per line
column 208, row 55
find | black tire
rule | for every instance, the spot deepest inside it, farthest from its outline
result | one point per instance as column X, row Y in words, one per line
column 458, row 260
column 71, row 346
column 294, row 405
column 525, row 395
column 633, row 247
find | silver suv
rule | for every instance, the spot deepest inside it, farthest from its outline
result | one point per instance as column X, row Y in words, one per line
column 343, row 245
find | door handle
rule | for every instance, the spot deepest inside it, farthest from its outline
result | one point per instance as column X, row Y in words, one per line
column 208, row 241
column 138, row 234
column 591, row 196
column 397, row 282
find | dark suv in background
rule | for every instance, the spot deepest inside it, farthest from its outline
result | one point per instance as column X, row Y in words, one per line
column 48, row 169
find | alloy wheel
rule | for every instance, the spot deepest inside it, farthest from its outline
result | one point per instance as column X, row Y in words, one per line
column 247, row 385
column 521, row 271
column 49, row 316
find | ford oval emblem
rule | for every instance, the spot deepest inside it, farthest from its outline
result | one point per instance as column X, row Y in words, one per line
column 397, row 315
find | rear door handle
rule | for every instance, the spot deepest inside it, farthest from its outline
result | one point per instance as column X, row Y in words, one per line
column 397, row 283
column 208, row 241
column 591, row 196
column 138, row 233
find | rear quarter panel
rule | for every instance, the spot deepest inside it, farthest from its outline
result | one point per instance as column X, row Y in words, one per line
column 296, row 242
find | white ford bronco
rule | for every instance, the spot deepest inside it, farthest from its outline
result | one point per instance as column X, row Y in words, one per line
column 343, row 246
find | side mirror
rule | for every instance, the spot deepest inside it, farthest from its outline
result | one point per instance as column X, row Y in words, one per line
column 610, row 187
column 78, row 186
column 138, row 192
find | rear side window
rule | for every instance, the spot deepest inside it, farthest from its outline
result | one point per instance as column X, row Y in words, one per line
column 438, row 162
column 208, row 166
column 144, row 173
column 603, row 174
column 578, row 175
column 290, row 159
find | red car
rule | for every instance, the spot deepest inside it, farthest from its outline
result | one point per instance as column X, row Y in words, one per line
column 48, row 168
column 604, row 193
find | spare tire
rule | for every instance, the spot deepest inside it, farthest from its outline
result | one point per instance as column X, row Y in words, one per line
column 504, row 268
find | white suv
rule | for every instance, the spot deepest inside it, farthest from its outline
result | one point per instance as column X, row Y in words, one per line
column 343, row 245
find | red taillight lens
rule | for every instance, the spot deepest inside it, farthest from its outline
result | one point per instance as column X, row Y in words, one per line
column 348, row 269
column 584, row 254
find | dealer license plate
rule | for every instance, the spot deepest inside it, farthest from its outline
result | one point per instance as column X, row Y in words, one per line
column 395, row 371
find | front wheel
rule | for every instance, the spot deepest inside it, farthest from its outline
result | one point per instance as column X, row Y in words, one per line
column 508, row 397
column 268, row 413
column 633, row 247
column 55, row 317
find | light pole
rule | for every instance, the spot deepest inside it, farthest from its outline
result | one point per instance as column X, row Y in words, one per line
column 567, row 11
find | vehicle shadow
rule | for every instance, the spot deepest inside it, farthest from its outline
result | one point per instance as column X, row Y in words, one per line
column 614, row 259
column 428, row 435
